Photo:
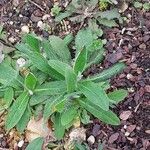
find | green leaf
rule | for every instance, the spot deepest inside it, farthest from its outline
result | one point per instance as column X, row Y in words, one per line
column 32, row 41
column 80, row 61
column 118, row 95
column 146, row 6
column 30, row 81
column 59, row 66
column 108, row 73
column 21, row 125
column 71, row 80
column 7, row 74
column 84, row 38
column 68, row 115
column 60, row 48
column 17, row 110
column 8, row 97
column 62, row 16
column 108, row 23
column 85, row 118
column 36, row 144
column 106, row 116
column 68, row 38
column 59, row 130
column 95, row 94
column 138, row 5
column 39, row 61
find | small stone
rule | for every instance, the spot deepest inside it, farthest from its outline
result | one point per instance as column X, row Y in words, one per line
column 45, row 17
column 20, row 15
column 147, row 131
column 130, row 76
column 20, row 144
column 11, row 22
column 125, row 115
column 142, row 46
column 131, row 90
column 25, row 29
column 113, row 138
column 127, row 134
column 11, row 39
column 91, row 139
column 21, row 62
column 125, row 126
column 40, row 24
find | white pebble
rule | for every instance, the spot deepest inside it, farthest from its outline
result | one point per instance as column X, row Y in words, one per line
column 40, row 24
column 125, row 126
column 45, row 17
column 20, row 144
column 11, row 23
column 11, row 39
column 91, row 139
column 129, row 76
column 127, row 134
column 20, row 15
column 25, row 29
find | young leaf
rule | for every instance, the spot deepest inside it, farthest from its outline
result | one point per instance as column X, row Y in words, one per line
column 85, row 118
column 108, row 73
column 118, row 95
column 32, row 41
column 71, row 80
column 17, row 110
column 95, row 94
column 59, row 129
column 8, row 97
column 68, row 38
column 61, row 49
column 21, row 125
column 36, row 144
column 68, row 115
column 39, row 61
column 58, row 66
column 30, row 81
column 7, row 74
column 106, row 116
column 80, row 61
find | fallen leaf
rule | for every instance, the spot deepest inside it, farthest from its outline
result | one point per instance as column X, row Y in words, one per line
column 113, row 138
column 125, row 115
column 37, row 129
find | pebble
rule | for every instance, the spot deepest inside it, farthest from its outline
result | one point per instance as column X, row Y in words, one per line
column 11, row 22
column 11, row 39
column 40, row 24
column 21, row 62
column 20, row 144
column 127, row 134
column 91, row 139
column 25, row 29
column 45, row 17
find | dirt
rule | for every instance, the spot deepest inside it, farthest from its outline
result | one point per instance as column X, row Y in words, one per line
column 130, row 42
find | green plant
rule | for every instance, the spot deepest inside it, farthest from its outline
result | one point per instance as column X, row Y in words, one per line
column 54, row 80
column 55, row 10
column 80, row 10
column 145, row 6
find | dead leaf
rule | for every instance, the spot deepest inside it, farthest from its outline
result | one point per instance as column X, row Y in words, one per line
column 37, row 129
column 123, row 7
column 125, row 115
column 113, row 138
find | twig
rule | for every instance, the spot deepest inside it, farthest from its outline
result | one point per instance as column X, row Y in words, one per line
column 36, row 5
column 137, row 107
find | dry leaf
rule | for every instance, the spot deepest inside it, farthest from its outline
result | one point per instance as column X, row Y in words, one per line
column 37, row 129
column 123, row 7
column 125, row 115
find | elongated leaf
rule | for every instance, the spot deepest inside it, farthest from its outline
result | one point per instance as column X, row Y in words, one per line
column 59, row 130
column 61, row 49
column 80, row 61
column 21, row 125
column 36, row 144
column 30, row 81
column 68, row 115
column 71, row 80
column 7, row 74
column 85, row 118
column 68, row 38
column 51, row 88
column 95, row 94
column 106, row 116
column 58, row 66
column 108, row 73
column 32, row 41
column 39, row 61
column 61, row 16
column 17, row 110
column 50, row 53
column 118, row 95
column 8, row 97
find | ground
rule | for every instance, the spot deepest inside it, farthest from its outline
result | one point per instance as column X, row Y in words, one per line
column 129, row 42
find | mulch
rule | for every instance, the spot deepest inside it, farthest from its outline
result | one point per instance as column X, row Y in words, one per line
column 129, row 42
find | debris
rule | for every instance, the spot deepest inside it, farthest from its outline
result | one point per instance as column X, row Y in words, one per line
column 20, row 144
column 91, row 139
column 113, row 138
column 25, row 29
column 125, row 115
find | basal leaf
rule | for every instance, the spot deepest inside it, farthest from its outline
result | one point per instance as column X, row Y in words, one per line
column 106, row 116
column 80, row 61
column 61, row 48
column 68, row 115
column 21, row 125
column 71, row 80
column 30, row 81
column 17, row 110
column 95, row 94
column 36, row 144
column 118, row 95
column 108, row 73
column 39, row 61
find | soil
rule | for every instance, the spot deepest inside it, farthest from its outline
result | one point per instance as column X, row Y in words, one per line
column 129, row 42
